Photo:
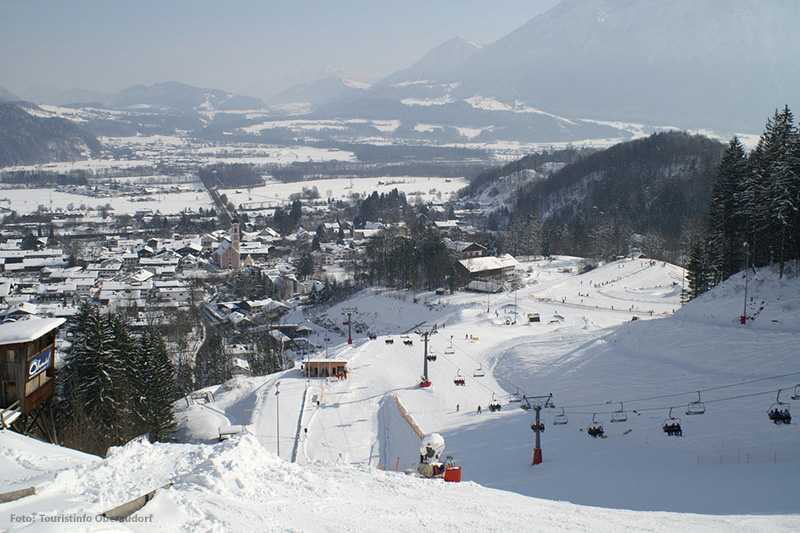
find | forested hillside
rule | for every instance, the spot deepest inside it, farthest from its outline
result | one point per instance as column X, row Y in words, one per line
column 642, row 194
column 26, row 139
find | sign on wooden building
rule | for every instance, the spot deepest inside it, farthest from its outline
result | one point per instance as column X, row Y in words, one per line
column 27, row 369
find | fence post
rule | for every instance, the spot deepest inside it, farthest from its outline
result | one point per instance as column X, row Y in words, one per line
column 397, row 465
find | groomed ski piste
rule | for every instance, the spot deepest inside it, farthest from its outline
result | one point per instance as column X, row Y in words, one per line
column 345, row 443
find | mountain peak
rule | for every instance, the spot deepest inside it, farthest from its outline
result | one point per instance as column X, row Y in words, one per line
column 449, row 55
column 7, row 96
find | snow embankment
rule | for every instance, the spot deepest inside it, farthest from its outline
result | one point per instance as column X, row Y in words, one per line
column 237, row 485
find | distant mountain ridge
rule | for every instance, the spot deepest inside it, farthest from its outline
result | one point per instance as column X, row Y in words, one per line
column 175, row 95
column 317, row 93
column 686, row 63
column 53, row 96
column 7, row 96
column 442, row 59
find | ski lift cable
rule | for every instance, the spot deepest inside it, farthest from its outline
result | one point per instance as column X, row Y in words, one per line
column 467, row 374
column 662, row 408
column 660, row 397
column 497, row 378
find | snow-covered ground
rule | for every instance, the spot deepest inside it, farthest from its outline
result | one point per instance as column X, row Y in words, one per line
column 167, row 200
column 427, row 189
column 732, row 470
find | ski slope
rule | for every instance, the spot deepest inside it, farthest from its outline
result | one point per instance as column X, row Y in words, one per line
column 589, row 353
column 340, row 440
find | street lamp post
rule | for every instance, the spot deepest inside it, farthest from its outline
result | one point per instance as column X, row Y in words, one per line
column 278, row 418
column 746, row 268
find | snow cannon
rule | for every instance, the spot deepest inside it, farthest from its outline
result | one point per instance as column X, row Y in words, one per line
column 430, row 464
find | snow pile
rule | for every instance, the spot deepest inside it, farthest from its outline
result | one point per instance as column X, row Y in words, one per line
column 238, row 486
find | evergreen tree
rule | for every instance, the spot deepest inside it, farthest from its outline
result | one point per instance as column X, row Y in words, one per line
column 698, row 274
column 128, row 384
column 212, row 366
column 159, row 390
column 305, row 266
column 770, row 199
column 91, row 375
column 724, row 219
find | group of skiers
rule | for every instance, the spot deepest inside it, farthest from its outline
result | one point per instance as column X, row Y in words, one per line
column 780, row 416
column 673, row 429
column 595, row 431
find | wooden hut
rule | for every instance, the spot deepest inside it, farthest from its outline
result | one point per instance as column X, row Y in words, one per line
column 27, row 369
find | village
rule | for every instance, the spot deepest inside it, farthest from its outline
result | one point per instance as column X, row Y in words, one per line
column 151, row 269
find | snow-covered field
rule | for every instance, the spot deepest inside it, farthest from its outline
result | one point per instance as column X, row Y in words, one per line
column 166, row 200
column 25, row 201
column 425, row 188
column 732, row 470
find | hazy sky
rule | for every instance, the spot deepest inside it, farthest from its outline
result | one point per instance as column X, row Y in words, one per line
column 252, row 47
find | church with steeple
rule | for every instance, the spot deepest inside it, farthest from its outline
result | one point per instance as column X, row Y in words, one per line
column 227, row 254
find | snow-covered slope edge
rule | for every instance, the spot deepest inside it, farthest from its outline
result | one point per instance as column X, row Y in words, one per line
column 238, row 486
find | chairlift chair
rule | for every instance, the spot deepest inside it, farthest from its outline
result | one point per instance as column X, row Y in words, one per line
column 595, row 429
column 548, row 403
column 696, row 408
column 459, row 379
column 516, row 397
column 796, row 395
column 672, row 426
column 779, row 411
column 525, row 404
column 450, row 350
column 479, row 372
column 619, row 416
column 431, row 356
column 537, row 427
column 494, row 405
column 561, row 419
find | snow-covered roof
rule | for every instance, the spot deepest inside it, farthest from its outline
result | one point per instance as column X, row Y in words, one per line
column 27, row 330
column 480, row 264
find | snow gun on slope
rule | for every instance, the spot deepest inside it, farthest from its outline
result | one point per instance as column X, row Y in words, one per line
column 430, row 464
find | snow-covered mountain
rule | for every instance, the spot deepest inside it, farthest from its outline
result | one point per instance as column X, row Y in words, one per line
column 433, row 65
column 307, row 96
column 711, row 64
column 179, row 96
